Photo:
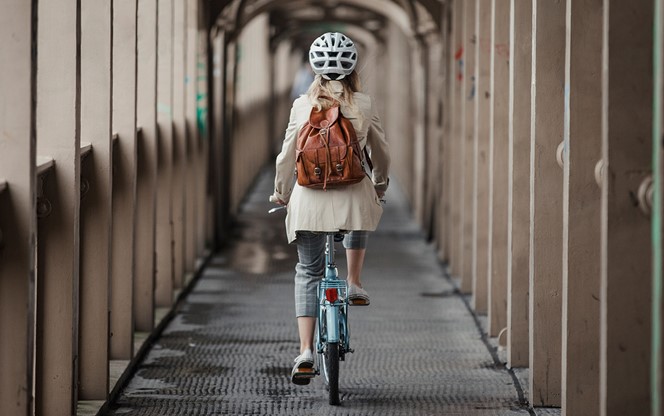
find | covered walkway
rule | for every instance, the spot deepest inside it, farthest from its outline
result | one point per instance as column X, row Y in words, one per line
column 526, row 136
column 229, row 347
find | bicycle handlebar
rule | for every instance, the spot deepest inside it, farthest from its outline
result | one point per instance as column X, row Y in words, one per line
column 275, row 209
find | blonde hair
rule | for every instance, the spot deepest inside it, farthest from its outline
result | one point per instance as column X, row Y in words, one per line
column 322, row 96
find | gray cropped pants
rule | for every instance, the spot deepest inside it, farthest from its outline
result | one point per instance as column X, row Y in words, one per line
column 310, row 267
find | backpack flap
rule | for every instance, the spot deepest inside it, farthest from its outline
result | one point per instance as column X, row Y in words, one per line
column 323, row 119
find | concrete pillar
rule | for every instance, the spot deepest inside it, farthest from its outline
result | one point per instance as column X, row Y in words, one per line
column 124, row 178
column 657, row 374
column 518, row 196
column 481, row 154
column 498, row 167
column 204, row 222
column 455, row 138
column 96, row 173
column 581, row 208
column 17, row 207
column 447, row 145
column 445, row 85
column 179, row 141
column 432, row 61
column 220, row 124
column 58, row 134
column 626, row 268
column 546, row 190
column 435, row 63
column 467, row 169
column 418, row 82
column 164, row 247
column 146, row 118
column 192, row 187
column 418, row 52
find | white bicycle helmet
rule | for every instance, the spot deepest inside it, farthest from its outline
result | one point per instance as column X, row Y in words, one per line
column 333, row 55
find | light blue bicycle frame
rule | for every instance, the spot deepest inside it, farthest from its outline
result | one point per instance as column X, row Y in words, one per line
column 332, row 316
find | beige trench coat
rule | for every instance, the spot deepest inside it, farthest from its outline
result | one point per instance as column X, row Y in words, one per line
column 354, row 207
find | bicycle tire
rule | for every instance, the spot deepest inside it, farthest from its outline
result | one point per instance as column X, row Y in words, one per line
column 331, row 369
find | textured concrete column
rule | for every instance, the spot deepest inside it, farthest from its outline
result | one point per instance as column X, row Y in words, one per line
column 626, row 232
column 192, row 187
column 481, row 153
column 219, row 201
column 433, row 100
column 164, row 244
column 443, row 198
column 58, row 116
column 581, row 208
column 468, row 94
column 417, row 52
column 17, row 206
column 96, row 171
column 546, row 191
column 498, row 167
column 124, row 178
column 146, row 118
column 657, row 375
column 205, row 221
column 179, row 141
column 518, row 215
column 455, row 138
column 447, row 146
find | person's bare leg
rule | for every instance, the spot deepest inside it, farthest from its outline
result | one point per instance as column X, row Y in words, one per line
column 355, row 260
column 306, row 326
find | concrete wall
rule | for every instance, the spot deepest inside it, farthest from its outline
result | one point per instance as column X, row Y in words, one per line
column 84, row 138
column 396, row 64
column 569, row 257
column 286, row 62
column 251, row 137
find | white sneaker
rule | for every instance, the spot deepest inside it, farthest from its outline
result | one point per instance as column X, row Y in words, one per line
column 357, row 296
column 303, row 370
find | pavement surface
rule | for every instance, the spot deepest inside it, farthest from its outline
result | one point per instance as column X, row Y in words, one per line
column 230, row 347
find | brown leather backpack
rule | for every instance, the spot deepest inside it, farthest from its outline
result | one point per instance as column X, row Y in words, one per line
column 328, row 153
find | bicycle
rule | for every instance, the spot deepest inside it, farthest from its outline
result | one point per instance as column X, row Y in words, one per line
column 333, row 332
column 333, row 335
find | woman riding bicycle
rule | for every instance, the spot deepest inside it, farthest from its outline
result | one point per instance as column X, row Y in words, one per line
column 355, row 208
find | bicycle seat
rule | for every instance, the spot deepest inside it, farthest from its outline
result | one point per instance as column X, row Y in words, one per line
column 338, row 237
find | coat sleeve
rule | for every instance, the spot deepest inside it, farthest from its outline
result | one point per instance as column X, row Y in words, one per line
column 285, row 165
column 379, row 151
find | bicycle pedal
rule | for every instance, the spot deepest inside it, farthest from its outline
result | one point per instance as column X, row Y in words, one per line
column 305, row 371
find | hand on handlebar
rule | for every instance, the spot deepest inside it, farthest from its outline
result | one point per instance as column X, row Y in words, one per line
column 277, row 200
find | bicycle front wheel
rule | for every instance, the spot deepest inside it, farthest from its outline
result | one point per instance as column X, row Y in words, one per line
column 331, row 370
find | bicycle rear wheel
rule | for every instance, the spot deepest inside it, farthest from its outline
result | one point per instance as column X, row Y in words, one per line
column 331, row 372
